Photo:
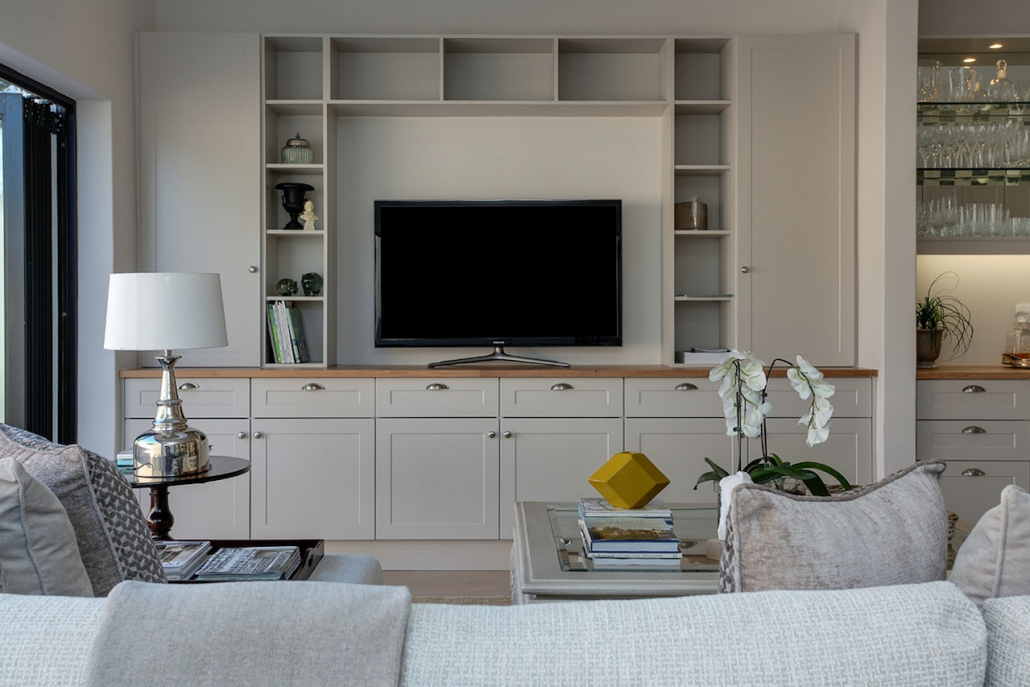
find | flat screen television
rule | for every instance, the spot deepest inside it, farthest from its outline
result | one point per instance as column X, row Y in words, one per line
column 498, row 273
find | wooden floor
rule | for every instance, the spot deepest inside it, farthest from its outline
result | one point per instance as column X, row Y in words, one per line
column 451, row 582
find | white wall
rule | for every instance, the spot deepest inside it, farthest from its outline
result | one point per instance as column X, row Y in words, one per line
column 84, row 50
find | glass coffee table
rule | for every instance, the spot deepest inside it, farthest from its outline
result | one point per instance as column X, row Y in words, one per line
column 548, row 562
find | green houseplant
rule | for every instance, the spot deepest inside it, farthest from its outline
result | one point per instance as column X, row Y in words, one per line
column 744, row 392
column 941, row 314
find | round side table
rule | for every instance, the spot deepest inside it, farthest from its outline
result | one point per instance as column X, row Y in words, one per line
column 160, row 518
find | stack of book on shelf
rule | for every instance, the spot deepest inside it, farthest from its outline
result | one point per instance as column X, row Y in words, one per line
column 250, row 563
column 286, row 333
column 181, row 559
column 621, row 537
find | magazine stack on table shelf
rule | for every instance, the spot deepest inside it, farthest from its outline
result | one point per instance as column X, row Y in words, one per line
column 250, row 563
column 616, row 537
column 181, row 559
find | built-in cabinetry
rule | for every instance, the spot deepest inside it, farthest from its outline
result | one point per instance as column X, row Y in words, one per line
column 981, row 429
column 777, row 179
column 414, row 456
column 199, row 171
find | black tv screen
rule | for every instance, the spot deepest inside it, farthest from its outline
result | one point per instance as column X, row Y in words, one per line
column 496, row 273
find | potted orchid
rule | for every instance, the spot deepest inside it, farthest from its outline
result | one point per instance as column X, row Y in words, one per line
column 743, row 393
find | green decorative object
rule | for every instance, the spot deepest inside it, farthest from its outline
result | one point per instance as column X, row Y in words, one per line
column 286, row 287
column 312, row 283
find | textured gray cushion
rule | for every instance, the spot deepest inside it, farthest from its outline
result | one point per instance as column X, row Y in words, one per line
column 906, row 635
column 995, row 558
column 38, row 553
column 891, row 532
column 47, row 639
column 1008, row 641
column 125, row 544
column 251, row 633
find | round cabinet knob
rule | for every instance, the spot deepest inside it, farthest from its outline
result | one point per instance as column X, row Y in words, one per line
column 745, row 269
column 257, row 435
column 507, row 435
column 241, row 435
column 252, row 269
column 492, row 434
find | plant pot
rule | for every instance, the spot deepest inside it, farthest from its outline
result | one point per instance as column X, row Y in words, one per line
column 928, row 346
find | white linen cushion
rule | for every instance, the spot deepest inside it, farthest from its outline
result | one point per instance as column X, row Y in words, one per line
column 994, row 560
column 38, row 553
column 903, row 636
column 1008, row 641
column 891, row 532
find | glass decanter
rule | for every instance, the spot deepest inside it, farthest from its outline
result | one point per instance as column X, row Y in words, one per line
column 1017, row 342
column 1001, row 89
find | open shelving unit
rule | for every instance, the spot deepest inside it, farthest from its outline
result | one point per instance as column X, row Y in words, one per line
column 310, row 81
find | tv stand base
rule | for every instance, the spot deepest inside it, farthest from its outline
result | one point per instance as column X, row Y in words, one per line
column 499, row 356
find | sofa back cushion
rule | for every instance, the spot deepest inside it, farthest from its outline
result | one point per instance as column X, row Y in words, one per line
column 38, row 552
column 911, row 635
column 891, row 532
column 112, row 536
column 994, row 561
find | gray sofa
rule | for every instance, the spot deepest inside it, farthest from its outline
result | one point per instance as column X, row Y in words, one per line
column 309, row 633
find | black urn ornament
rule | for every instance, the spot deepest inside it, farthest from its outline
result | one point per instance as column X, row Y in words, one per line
column 293, row 201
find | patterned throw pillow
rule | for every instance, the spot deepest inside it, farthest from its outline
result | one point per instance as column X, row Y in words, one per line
column 113, row 538
column 891, row 532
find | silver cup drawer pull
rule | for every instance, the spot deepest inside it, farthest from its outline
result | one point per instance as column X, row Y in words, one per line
column 973, row 429
column 686, row 386
column 312, row 387
column 437, row 387
column 973, row 472
column 188, row 386
column 561, row 386
column 973, row 389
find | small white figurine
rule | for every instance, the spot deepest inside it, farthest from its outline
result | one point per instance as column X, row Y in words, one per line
column 309, row 216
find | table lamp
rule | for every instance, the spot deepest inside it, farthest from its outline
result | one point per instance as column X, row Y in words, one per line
column 165, row 311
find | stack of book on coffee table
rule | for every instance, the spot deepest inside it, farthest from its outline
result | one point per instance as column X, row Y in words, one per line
column 622, row 537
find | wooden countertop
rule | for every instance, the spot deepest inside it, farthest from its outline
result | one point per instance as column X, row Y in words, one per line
column 998, row 371
column 488, row 371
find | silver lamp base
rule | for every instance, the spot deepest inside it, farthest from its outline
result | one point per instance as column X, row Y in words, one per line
column 168, row 455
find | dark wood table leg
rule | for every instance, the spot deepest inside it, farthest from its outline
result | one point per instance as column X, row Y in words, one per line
column 160, row 518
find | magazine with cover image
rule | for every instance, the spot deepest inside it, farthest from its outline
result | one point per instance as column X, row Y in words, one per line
column 250, row 563
column 628, row 534
column 600, row 508
column 180, row 559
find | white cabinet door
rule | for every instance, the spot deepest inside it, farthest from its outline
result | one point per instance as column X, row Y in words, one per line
column 796, row 206
column 200, row 175
column 971, row 488
column 552, row 459
column 313, row 479
column 436, row 478
column 678, row 447
column 848, row 449
column 213, row 510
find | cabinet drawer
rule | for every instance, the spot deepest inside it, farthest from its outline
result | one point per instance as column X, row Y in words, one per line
column 444, row 397
column 972, row 488
column 557, row 397
column 972, row 400
column 853, row 398
column 670, row 397
column 314, row 397
column 972, row 440
column 201, row 397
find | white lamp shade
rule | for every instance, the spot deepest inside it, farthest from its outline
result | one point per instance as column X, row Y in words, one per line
column 148, row 311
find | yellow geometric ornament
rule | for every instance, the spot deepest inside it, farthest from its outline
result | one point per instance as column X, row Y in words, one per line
column 629, row 480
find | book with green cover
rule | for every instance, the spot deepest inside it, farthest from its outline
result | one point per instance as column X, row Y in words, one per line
column 273, row 333
column 299, row 340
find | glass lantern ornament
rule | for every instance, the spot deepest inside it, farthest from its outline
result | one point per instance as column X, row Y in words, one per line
column 1017, row 342
column 297, row 151
column 286, row 287
column 1001, row 89
column 311, row 282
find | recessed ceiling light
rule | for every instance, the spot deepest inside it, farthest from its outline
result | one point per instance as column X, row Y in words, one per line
column 969, row 59
column 995, row 46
